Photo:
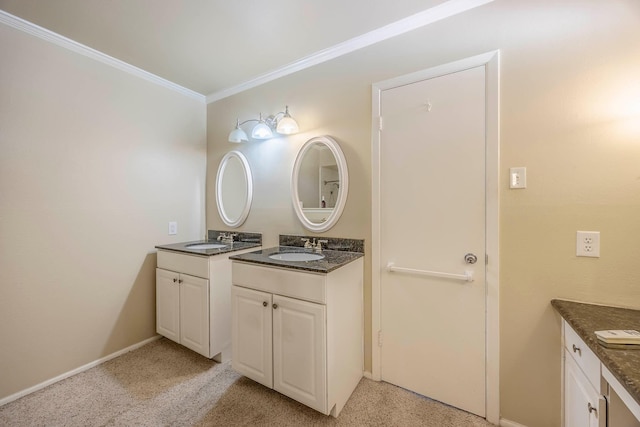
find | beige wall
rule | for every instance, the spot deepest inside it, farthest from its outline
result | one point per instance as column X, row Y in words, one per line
column 570, row 113
column 94, row 162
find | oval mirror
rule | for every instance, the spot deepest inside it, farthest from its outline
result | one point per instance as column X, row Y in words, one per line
column 319, row 183
column 234, row 189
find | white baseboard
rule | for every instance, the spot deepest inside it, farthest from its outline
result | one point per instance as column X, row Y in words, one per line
column 73, row 372
column 507, row 423
column 369, row 375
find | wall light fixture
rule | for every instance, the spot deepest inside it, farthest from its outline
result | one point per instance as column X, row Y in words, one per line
column 281, row 122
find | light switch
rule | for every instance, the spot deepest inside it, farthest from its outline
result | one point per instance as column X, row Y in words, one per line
column 518, row 177
column 173, row 228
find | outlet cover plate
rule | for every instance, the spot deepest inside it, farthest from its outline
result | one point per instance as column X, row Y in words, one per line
column 588, row 244
column 173, row 228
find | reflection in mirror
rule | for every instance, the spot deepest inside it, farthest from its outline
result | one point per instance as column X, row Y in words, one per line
column 234, row 189
column 318, row 180
column 319, row 183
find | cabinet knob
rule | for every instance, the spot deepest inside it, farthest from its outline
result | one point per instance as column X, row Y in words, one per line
column 275, row 306
column 180, row 281
column 577, row 350
column 175, row 280
column 592, row 409
column 264, row 303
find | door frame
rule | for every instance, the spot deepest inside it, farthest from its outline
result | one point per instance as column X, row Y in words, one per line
column 491, row 62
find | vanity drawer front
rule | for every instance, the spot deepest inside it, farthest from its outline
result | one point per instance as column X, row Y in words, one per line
column 182, row 263
column 582, row 354
column 291, row 283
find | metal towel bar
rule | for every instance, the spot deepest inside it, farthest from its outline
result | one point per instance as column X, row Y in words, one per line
column 467, row 276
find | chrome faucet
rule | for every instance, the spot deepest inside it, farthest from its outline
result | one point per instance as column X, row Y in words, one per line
column 308, row 244
column 315, row 246
column 226, row 237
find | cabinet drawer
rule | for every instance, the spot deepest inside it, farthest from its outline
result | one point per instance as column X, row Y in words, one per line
column 291, row 283
column 582, row 354
column 189, row 264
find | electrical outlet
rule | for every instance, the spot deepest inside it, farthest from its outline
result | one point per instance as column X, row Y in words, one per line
column 588, row 244
column 173, row 228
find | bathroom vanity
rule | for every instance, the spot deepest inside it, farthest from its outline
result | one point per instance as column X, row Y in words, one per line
column 193, row 291
column 601, row 386
column 297, row 326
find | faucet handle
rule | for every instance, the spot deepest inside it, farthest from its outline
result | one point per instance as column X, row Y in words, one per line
column 319, row 245
column 307, row 243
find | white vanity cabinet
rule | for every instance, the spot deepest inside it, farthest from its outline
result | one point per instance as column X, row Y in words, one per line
column 300, row 333
column 193, row 294
column 583, row 402
column 182, row 309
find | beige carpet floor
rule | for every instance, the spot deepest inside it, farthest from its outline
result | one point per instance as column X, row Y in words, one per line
column 164, row 384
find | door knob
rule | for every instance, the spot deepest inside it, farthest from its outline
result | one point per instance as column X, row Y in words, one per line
column 470, row 258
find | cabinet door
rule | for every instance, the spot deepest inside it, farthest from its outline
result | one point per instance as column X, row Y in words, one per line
column 583, row 407
column 194, row 313
column 300, row 351
column 251, row 334
column 167, row 304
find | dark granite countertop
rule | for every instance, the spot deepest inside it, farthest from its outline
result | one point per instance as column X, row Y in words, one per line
column 585, row 319
column 184, row 247
column 331, row 261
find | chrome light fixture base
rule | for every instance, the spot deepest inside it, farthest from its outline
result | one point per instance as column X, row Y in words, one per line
column 285, row 125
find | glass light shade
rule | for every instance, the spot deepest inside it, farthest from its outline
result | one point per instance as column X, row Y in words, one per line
column 287, row 125
column 261, row 131
column 238, row 135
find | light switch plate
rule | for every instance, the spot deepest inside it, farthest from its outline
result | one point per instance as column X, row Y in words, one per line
column 173, row 228
column 588, row 244
column 518, row 177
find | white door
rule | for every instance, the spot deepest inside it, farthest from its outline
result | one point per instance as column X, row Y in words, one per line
column 300, row 351
column 432, row 214
column 251, row 334
column 167, row 304
column 194, row 313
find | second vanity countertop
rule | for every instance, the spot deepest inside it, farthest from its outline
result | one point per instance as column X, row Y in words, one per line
column 231, row 247
column 331, row 261
column 585, row 319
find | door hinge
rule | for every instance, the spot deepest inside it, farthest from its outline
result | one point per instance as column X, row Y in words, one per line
column 379, row 338
column 380, row 123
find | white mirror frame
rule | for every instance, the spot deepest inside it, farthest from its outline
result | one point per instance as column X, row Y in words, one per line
column 343, row 173
column 231, row 222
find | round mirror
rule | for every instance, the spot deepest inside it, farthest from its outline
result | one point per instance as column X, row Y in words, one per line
column 319, row 183
column 234, row 189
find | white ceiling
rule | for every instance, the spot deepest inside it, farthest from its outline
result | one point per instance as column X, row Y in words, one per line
column 209, row 46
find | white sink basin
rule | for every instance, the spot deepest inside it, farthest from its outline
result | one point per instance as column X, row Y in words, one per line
column 296, row 256
column 206, row 246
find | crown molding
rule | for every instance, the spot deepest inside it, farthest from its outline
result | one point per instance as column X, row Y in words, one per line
column 57, row 39
column 420, row 19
